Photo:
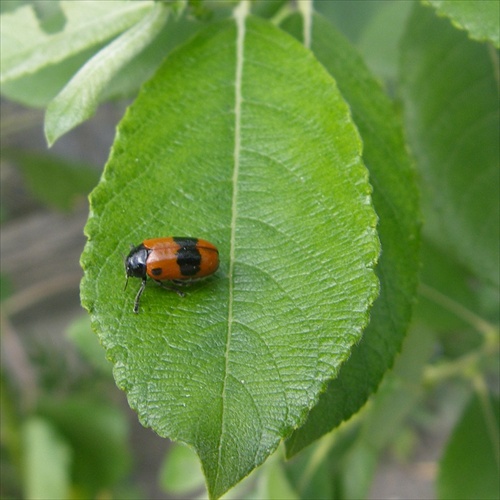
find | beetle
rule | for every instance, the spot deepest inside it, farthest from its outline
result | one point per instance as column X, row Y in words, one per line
column 177, row 259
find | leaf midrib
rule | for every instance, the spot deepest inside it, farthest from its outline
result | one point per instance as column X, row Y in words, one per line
column 240, row 14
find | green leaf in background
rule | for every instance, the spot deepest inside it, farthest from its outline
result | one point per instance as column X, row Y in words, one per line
column 80, row 333
column 450, row 96
column 6, row 287
column 399, row 395
column 471, row 461
column 47, row 461
column 128, row 80
column 87, row 23
column 57, row 182
column 268, row 8
column 396, row 202
column 351, row 18
column 343, row 463
column 38, row 89
column 481, row 18
column 255, row 151
column 181, row 473
column 316, row 471
column 97, row 433
column 274, row 483
column 454, row 304
column 80, row 97
column 379, row 46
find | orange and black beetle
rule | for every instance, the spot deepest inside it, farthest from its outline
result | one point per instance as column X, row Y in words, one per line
column 176, row 259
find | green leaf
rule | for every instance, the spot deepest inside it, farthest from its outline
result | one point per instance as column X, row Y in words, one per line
column 86, row 24
column 80, row 97
column 380, row 46
column 396, row 399
column 181, row 473
column 268, row 8
column 129, row 79
column 350, row 18
column 481, row 18
column 80, row 332
column 274, row 484
column 38, row 89
column 452, row 113
column 449, row 298
column 57, row 182
column 396, row 202
column 241, row 138
column 315, row 472
column 359, row 467
column 471, row 461
column 6, row 287
column 97, row 433
column 46, row 461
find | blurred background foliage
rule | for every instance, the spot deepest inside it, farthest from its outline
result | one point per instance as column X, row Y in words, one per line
column 67, row 431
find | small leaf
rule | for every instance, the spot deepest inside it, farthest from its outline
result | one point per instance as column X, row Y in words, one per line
column 46, row 461
column 79, row 99
column 481, row 18
column 450, row 95
column 396, row 202
column 241, row 138
column 86, row 24
column 39, row 88
column 470, row 464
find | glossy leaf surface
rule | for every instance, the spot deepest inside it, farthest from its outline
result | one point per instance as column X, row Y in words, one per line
column 396, row 202
column 241, row 138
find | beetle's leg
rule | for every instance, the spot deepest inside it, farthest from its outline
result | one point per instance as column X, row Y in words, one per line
column 172, row 288
column 138, row 296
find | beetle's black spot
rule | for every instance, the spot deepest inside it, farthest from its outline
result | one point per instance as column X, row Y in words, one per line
column 156, row 271
column 186, row 242
column 188, row 256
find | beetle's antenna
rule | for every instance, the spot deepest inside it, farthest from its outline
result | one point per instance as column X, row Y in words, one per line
column 126, row 283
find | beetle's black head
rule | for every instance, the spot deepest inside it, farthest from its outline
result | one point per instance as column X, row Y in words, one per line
column 135, row 263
